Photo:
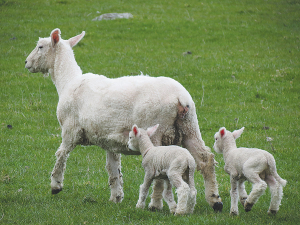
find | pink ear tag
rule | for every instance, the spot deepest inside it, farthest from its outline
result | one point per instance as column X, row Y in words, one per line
column 55, row 36
column 135, row 131
column 222, row 132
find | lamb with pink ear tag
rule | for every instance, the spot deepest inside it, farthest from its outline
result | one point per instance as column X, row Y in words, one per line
column 173, row 164
column 252, row 164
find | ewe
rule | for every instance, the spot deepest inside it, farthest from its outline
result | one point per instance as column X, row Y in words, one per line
column 172, row 163
column 252, row 164
column 96, row 110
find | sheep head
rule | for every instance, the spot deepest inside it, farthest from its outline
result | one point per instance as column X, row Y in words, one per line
column 43, row 56
column 136, row 133
column 223, row 135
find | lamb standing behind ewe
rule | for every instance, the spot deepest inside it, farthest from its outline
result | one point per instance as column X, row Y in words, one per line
column 96, row 110
column 252, row 164
column 172, row 163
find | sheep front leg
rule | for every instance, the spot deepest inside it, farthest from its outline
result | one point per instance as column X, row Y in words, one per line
column 206, row 164
column 57, row 175
column 156, row 202
column 113, row 167
column 234, row 194
column 242, row 191
column 144, row 189
column 156, row 197
column 259, row 187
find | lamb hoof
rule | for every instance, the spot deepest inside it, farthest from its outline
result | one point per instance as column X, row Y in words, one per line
column 272, row 212
column 153, row 209
column 117, row 199
column 56, row 191
column 140, row 206
column 234, row 213
column 248, row 207
column 179, row 213
column 218, row 206
column 243, row 200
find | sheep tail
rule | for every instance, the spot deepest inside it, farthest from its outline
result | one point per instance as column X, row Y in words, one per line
column 183, row 109
column 273, row 170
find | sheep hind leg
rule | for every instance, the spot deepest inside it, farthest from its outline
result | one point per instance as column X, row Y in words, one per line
column 191, row 200
column 182, row 190
column 189, row 178
column 169, row 197
column 276, row 194
column 156, row 202
column 57, row 175
column 113, row 167
column 258, row 189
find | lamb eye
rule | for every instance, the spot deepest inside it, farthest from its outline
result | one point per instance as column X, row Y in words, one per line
column 40, row 47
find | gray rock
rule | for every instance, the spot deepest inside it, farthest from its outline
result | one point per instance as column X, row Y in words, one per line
column 112, row 16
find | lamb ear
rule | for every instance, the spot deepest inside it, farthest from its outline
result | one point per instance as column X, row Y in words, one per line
column 74, row 40
column 151, row 130
column 135, row 129
column 222, row 131
column 55, row 36
column 237, row 133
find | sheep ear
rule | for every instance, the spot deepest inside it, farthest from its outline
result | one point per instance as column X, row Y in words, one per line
column 222, row 132
column 151, row 130
column 135, row 130
column 55, row 36
column 74, row 40
column 237, row 133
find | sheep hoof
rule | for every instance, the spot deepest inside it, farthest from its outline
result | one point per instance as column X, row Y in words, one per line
column 248, row 207
column 56, row 191
column 234, row 213
column 243, row 200
column 272, row 212
column 116, row 199
column 119, row 198
column 218, row 206
column 153, row 209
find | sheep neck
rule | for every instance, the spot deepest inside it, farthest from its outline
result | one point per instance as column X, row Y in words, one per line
column 145, row 144
column 65, row 68
column 228, row 144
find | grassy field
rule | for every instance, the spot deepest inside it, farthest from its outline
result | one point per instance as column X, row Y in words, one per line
column 243, row 70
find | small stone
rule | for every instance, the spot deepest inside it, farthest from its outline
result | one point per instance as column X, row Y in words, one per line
column 112, row 16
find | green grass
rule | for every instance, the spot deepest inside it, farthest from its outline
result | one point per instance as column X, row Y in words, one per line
column 243, row 71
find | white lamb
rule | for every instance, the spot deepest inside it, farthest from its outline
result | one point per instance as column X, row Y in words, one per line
column 96, row 110
column 252, row 164
column 172, row 163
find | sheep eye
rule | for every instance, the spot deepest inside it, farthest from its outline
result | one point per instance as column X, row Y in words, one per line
column 40, row 47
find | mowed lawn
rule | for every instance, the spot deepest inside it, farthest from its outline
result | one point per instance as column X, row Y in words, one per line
column 238, row 59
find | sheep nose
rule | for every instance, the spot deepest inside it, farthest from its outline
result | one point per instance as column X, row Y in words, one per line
column 25, row 61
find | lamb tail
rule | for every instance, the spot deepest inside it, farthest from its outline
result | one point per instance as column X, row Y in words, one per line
column 273, row 171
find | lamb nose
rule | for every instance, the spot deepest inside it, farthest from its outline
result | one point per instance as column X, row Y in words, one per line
column 25, row 61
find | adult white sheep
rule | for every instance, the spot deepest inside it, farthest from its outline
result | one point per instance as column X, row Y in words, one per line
column 252, row 164
column 96, row 110
column 172, row 163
